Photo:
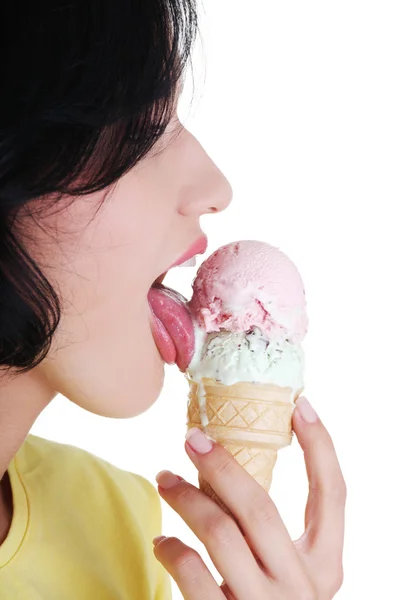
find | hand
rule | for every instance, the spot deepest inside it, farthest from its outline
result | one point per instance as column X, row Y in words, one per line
column 255, row 555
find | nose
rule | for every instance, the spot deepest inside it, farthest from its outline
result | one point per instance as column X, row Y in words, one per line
column 209, row 191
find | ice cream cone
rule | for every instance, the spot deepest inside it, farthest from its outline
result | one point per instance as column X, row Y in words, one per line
column 251, row 420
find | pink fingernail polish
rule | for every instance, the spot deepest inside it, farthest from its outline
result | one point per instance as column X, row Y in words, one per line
column 167, row 480
column 306, row 411
column 159, row 539
column 198, row 441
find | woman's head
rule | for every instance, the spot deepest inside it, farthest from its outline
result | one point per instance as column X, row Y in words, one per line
column 101, row 190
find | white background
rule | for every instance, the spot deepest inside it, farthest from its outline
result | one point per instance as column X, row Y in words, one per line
column 300, row 108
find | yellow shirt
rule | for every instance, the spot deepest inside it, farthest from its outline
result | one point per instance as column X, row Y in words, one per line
column 81, row 530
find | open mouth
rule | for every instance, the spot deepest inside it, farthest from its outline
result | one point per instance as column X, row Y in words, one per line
column 172, row 323
column 160, row 279
column 191, row 262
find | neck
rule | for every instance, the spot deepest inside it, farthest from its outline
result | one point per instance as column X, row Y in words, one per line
column 22, row 399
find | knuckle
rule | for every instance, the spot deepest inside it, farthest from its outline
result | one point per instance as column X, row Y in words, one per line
column 307, row 592
column 339, row 579
column 337, row 492
column 335, row 489
column 186, row 560
column 224, row 467
column 219, row 529
column 262, row 509
column 185, row 493
column 336, row 580
column 330, row 580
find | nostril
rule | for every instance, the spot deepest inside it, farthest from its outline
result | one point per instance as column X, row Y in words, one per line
column 213, row 209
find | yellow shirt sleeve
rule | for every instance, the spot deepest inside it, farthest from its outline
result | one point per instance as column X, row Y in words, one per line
column 81, row 529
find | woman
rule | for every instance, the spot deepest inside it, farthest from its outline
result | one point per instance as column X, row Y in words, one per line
column 101, row 191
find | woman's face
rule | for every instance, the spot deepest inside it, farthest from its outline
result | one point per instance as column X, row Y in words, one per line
column 103, row 355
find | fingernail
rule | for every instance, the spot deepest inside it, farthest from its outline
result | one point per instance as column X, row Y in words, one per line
column 198, row 441
column 166, row 479
column 306, row 411
column 159, row 539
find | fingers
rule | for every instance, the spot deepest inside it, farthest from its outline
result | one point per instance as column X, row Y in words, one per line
column 188, row 570
column 251, row 505
column 218, row 532
column 227, row 592
column 325, row 512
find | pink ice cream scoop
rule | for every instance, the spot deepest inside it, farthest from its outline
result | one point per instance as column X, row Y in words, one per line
column 250, row 284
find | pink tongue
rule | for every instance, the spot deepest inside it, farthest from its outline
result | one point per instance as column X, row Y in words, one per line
column 169, row 308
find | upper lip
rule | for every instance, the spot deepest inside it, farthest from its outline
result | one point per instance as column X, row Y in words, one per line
column 198, row 247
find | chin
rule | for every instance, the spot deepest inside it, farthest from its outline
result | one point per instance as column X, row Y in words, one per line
column 107, row 383
column 141, row 397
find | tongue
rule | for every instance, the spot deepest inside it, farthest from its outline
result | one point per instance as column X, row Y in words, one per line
column 174, row 319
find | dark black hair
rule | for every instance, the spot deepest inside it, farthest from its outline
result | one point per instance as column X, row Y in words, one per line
column 86, row 89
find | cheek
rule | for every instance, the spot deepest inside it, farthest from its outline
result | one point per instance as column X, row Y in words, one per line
column 103, row 355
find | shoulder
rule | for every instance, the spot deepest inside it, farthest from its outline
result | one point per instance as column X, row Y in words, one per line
column 62, row 466
column 97, row 519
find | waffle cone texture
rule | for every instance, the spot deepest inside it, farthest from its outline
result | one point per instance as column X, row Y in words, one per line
column 251, row 420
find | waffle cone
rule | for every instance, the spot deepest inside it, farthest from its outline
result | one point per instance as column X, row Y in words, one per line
column 251, row 420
